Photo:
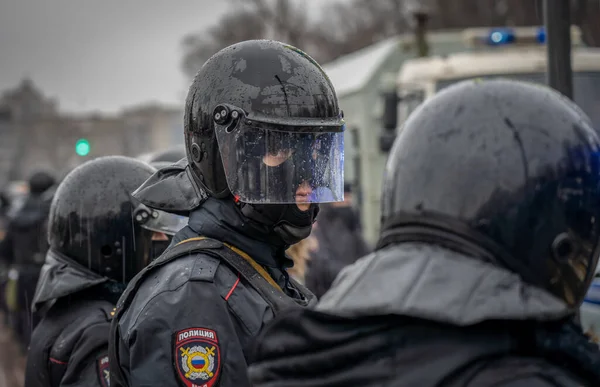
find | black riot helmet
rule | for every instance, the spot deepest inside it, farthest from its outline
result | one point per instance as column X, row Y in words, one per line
column 505, row 171
column 95, row 222
column 262, row 124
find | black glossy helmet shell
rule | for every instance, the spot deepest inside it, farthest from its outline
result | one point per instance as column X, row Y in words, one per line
column 263, row 78
column 92, row 217
column 512, row 166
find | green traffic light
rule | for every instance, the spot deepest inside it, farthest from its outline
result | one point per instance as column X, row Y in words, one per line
column 82, row 147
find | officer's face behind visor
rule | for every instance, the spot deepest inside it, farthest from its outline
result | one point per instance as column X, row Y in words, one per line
column 283, row 164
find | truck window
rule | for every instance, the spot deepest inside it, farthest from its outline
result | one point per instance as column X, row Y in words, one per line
column 409, row 102
column 586, row 88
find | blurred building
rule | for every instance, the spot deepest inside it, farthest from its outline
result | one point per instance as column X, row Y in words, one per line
column 152, row 127
column 34, row 134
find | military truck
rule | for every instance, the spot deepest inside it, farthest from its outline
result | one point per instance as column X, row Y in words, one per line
column 516, row 53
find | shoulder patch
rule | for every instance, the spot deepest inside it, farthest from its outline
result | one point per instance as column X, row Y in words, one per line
column 197, row 357
column 102, row 366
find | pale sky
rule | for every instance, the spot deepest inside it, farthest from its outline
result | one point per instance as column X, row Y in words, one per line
column 102, row 54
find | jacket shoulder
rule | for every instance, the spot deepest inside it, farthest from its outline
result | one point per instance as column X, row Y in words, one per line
column 197, row 270
column 89, row 325
column 174, row 274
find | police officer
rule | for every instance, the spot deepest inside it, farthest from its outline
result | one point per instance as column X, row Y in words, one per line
column 264, row 138
column 23, row 249
column 490, row 238
column 4, row 206
column 100, row 237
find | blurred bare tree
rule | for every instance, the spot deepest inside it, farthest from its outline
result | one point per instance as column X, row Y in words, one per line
column 342, row 28
column 234, row 27
column 346, row 27
column 249, row 19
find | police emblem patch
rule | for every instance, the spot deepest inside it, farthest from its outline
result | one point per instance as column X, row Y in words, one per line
column 197, row 357
column 103, row 371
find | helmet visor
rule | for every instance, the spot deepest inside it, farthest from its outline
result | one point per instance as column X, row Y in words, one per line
column 159, row 221
column 289, row 165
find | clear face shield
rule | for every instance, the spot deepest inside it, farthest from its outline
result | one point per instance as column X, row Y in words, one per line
column 162, row 224
column 271, row 161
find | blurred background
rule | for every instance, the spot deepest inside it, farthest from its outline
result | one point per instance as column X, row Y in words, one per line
column 82, row 79
column 88, row 78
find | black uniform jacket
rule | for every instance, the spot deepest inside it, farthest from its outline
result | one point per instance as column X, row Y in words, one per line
column 69, row 347
column 25, row 242
column 190, row 320
column 420, row 315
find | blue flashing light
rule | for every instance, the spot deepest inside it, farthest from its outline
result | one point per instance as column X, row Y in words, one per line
column 540, row 36
column 499, row 37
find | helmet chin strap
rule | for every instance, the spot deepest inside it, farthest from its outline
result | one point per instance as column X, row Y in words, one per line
column 287, row 221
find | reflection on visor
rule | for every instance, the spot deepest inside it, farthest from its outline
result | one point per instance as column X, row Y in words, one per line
column 266, row 166
column 159, row 221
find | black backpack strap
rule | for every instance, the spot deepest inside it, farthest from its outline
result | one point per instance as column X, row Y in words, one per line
column 257, row 277
column 252, row 272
